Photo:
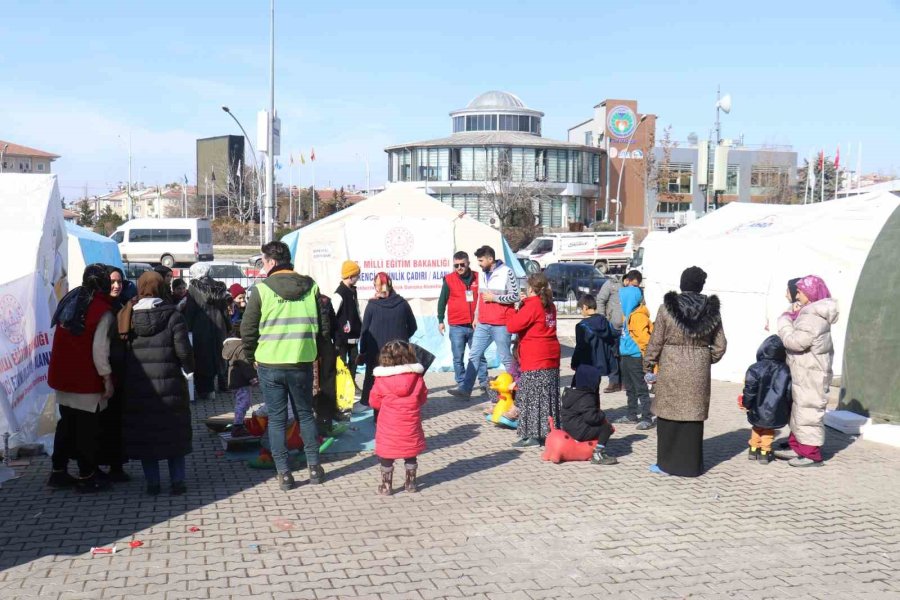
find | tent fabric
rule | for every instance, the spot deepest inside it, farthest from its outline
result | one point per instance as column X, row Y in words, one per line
column 87, row 247
column 319, row 249
column 871, row 380
column 749, row 252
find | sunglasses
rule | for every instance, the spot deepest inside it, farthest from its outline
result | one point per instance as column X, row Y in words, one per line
column 459, row 265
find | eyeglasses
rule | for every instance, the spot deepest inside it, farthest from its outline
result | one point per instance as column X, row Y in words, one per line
column 459, row 265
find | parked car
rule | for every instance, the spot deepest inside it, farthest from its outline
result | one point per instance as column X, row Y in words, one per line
column 569, row 281
column 255, row 261
column 529, row 266
column 134, row 270
column 229, row 273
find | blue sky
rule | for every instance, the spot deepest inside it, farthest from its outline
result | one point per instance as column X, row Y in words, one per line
column 353, row 77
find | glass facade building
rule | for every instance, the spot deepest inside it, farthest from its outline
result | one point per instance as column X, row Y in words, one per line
column 497, row 139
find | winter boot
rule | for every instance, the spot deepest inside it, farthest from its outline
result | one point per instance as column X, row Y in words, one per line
column 753, row 454
column 387, row 481
column 600, row 457
column 316, row 474
column 765, row 457
column 410, row 485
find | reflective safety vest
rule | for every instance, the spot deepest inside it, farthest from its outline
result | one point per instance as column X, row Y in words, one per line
column 287, row 328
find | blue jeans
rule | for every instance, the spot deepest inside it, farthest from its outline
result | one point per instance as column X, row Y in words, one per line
column 176, row 470
column 460, row 337
column 482, row 338
column 279, row 385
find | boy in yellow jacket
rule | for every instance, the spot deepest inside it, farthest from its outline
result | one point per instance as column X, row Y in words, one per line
column 632, row 345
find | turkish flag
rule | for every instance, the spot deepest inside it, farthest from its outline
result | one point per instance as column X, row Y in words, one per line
column 837, row 159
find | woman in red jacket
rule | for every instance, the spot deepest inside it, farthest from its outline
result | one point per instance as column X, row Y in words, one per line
column 537, row 393
column 398, row 394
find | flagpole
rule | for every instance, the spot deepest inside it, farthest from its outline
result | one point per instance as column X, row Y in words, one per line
column 822, row 197
column 837, row 173
column 806, row 187
column 315, row 209
column 290, row 193
column 299, row 187
column 859, row 169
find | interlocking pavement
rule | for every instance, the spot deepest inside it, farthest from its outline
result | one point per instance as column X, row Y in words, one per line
column 490, row 522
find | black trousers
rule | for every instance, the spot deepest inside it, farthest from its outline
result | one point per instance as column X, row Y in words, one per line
column 110, row 448
column 601, row 433
column 636, row 390
column 77, row 436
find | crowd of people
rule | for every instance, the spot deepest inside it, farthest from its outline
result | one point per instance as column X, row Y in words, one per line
column 123, row 353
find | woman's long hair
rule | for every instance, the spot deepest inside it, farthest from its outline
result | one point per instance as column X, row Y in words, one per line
column 541, row 288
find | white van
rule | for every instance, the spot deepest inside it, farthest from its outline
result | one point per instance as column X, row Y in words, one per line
column 608, row 251
column 165, row 241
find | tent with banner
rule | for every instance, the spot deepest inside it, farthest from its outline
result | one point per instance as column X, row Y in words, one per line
column 87, row 247
column 750, row 251
column 34, row 246
column 409, row 235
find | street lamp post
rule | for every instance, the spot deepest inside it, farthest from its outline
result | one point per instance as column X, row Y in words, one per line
column 2, row 152
column 255, row 161
column 618, row 200
column 270, row 163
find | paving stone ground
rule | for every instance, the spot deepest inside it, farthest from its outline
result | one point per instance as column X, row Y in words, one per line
column 490, row 522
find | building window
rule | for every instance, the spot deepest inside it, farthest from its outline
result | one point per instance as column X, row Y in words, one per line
column 676, row 178
column 732, row 182
column 672, row 207
column 40, row 167
column 769, row 181
column 588, row 138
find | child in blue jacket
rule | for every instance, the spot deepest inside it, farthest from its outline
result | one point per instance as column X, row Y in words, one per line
column 767, row 397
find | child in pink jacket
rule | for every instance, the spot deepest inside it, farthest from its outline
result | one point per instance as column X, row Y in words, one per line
column 398, row 395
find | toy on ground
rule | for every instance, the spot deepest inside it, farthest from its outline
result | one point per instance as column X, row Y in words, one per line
column 504, row 385
column 562, row 447
column 294, row 442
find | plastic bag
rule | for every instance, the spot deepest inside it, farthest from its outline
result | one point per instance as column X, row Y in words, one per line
column 346, row 389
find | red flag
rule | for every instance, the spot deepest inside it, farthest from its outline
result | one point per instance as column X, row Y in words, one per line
column 821, row 160
column 837, row 159
column 312, row 154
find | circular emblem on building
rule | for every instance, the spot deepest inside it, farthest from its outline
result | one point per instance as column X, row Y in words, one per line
column 12, row 319
column 399, row 241
column 621, row 121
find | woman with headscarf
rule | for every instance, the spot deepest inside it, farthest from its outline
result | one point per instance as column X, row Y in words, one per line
column 156, row 416
column 82, row 377
column 687, row 340
column 805, row 330
column 388, row 317
column 206, row 312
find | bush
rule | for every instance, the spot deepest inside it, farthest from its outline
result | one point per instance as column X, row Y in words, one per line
column 519, row 237
column 231, row 232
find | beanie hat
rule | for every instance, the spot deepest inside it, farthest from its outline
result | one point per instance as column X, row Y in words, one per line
column 693, row 279
column 236, row 290
column 349, row 269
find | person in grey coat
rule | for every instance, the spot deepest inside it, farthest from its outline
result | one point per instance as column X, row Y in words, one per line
column 609, row 305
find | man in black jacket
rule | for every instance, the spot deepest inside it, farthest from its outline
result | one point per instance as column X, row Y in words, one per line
column 347, row 322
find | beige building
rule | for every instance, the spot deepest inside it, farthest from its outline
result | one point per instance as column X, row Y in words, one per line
column 15, row 158
column 151, row 202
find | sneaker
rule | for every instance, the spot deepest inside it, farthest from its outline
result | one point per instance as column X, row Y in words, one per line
column 316, row 474
column 802, row 461
column 612, row 388
column 178, row 488
column 459, row 393
column 118, row 475
column 153, row 489
column 626, row 420
column 602, row 458
column 285, row 481
column 765, row 457
column 60, row 479
column 526, row 443
column 753, row 454
column 786, row 454
column 645, row 425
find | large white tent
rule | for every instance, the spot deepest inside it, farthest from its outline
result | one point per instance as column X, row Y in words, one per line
column 406, row 233
column 750, row 251
column 33, row 243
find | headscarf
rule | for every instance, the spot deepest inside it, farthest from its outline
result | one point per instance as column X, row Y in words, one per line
column 813, row 288
column 383, row 278
column 199, row 269
column 150, row 285
column 72, row 309
column 693, row 279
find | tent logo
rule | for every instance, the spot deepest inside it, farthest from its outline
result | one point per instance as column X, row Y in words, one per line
column 399, row 241
column 763, row 223
column 621, row 122
column 12, row 319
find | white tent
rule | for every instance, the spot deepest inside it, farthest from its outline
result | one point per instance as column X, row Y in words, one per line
column 87, row 247
column 406, row 233
column 33, row 246
column 750, row 251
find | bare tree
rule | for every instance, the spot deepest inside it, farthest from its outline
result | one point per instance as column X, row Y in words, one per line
column 770, row 179
column 658, row 174
column 513, row 199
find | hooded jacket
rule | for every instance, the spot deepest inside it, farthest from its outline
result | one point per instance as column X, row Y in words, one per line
column 385, row 320
column 596, row 344
column 579, row 408
column 767, row 386
column 810, row 352
column 206, row 312
column 687, row 339
column 398, row 395
column 289, row 285
column 156, row 415
column 637, row 329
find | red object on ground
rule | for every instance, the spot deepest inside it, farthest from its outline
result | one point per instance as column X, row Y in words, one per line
column 560, row 447
column 220, row 453
column 135, row 543
column 193, row 529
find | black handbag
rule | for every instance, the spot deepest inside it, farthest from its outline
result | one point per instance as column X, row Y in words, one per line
column 423, row 356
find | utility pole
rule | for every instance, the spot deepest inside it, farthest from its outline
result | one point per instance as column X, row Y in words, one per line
column 270, row 164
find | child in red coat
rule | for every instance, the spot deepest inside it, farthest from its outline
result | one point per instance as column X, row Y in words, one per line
column 398, row 394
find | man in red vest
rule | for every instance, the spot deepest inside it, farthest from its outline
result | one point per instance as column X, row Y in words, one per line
column 459, row 297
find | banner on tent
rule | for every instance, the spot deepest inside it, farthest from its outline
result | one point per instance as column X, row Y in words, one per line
column 25, row 342
column 416, row 253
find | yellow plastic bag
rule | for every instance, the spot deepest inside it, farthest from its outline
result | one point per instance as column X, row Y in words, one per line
column 346, row 389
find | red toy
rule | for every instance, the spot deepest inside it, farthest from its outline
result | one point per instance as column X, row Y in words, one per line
column 561, row 447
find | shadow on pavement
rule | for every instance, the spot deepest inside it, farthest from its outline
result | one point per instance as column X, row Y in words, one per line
column 622, row 446
column 467, row 466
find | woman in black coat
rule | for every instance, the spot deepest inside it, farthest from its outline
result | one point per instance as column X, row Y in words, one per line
column 388, row 317
column 206, row 312
column 156, row 416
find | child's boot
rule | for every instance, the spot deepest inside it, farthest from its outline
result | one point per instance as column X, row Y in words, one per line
column 753, row 454
column 387, row 481
column 765, row 457
column 600, row 457
column 410, row 485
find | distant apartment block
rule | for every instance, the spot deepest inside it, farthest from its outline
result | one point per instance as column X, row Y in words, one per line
column 16, row 158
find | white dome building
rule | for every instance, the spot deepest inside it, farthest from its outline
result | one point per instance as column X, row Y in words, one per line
column 496, row 143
